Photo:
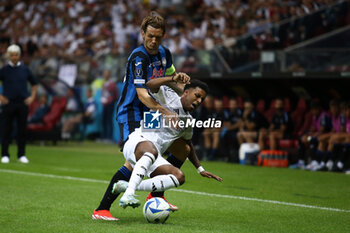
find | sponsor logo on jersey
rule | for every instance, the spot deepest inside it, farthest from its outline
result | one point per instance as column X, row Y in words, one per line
column 157, row 73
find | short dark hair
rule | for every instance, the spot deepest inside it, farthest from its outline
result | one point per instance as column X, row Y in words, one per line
column 153, row 20
column 197, row 83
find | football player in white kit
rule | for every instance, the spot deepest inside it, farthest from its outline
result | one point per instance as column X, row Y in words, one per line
column 144, row 148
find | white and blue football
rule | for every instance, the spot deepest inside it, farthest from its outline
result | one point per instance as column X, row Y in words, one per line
column 156, row 210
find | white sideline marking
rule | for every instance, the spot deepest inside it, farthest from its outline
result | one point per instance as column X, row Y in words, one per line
column 179, row 190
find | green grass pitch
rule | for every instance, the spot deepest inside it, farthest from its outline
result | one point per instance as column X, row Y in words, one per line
column 40, row 196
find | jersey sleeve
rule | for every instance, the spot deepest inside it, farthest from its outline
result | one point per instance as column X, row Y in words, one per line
column 170, row 68
column 159, row 96
column 139, row 72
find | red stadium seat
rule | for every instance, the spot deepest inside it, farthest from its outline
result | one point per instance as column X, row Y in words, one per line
column 239, row 102
column 285, row 143
column 260, row 106
column 52, row 118
column 301, row 104
column 225, row 101
column 33, row 107
column 286, row 104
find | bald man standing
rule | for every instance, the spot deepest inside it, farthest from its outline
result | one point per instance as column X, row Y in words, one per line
column 15, row 100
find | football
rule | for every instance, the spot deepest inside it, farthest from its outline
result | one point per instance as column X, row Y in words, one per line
column 156, row 210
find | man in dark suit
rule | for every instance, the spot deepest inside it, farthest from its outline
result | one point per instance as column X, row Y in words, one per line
column 15, row 100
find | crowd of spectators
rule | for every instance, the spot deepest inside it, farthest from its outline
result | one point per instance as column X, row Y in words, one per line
column 93, row 28
column 86, row 31
column 319, row 135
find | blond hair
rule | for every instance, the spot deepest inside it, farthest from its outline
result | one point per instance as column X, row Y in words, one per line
column 14, row 49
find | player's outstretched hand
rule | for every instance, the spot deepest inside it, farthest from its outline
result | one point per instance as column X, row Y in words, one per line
column 182, row 78
column 211, row 175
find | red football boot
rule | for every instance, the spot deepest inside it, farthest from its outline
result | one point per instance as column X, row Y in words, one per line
column 103, row 215
column 172, row 207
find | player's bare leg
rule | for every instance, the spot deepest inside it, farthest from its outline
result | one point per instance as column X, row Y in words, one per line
column 162, row 178
column 179, row 152
column 145, row 155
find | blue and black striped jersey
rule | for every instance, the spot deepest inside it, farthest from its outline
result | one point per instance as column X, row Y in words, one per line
column 140, row 68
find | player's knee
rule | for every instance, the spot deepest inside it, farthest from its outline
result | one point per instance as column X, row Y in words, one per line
column 144, row 147
column 187, row 149
column 180, row 176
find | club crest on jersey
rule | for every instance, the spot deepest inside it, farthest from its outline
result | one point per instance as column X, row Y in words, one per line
column 164, row 61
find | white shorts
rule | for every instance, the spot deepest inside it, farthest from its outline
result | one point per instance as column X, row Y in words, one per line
column 129, row 149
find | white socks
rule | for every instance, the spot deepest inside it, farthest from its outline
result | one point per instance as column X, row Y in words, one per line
column 159, row 183
column 139, row 172
column 340, row 165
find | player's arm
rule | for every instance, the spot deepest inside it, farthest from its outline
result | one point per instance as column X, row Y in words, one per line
column 34, row 84
column 178, row 86
column 140, row 78
column 147, row 100
column 195, row 161
column 176, row 82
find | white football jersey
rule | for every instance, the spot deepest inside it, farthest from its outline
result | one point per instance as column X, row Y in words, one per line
column 163, row 138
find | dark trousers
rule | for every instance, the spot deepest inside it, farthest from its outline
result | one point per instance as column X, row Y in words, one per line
column 14, row 111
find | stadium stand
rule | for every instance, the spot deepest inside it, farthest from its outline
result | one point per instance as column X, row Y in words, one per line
column 207, row 38
column 91, row 30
